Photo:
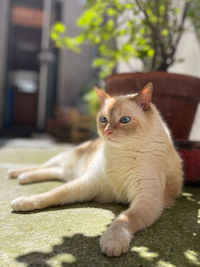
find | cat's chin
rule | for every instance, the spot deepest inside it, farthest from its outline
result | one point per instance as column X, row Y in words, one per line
column 112, row 141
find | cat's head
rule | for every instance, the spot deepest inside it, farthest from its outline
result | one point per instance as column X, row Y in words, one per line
column 122, row 117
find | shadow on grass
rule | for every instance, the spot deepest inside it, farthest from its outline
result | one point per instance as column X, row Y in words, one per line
column 78, row 248
column 171, row 241
column 115, row 208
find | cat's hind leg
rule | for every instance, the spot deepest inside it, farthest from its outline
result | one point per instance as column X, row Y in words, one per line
column 78, row 190
column 14, row 173
column 41, row 174
column 53, row 162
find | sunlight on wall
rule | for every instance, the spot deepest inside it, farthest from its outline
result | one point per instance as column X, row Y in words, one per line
column 192, row 256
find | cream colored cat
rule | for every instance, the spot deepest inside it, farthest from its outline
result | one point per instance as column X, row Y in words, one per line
column 133, row 161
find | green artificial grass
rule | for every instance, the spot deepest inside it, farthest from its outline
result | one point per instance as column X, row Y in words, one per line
column 69, row 235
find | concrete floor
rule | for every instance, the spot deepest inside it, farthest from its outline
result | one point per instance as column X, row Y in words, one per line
column 69, row 235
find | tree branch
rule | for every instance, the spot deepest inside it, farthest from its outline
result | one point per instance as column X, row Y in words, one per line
column 180, row 28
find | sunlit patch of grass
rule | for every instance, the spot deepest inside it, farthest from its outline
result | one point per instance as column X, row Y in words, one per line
column 198, row 216
column 164, row 264
column 189, row 196
column 192, row 256
column 185, row 194
column 191, row 199
column 66, row 258
column 145, row 253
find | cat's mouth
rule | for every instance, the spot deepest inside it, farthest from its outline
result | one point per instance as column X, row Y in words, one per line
column 111, row 139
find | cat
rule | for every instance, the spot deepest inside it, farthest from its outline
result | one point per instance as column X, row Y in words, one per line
column 134, row 161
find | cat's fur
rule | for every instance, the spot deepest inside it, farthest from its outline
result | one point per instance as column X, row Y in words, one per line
column 133, row 163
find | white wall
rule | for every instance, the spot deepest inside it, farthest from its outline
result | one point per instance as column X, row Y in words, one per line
column 189, row 50
column 74, row 69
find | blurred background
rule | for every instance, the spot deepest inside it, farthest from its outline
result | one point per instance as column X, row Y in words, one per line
column 46, row 83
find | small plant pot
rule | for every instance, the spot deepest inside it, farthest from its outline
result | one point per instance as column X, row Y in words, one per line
column 190, row 154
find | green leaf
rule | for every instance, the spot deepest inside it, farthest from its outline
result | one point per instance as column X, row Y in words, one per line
column 110, row 24
column 97, row 39
column 93, row 101
column 164, row 32
column 59, row 27
column 177, row 11
column 122, row 32
column 142, row 31
column 129, row 6
column 97, row 62
column 54, row 36
column 72, row 44
column 162, row 9
column 80, row 39
column 106, row 36
column 87, row 18
column 151, row 53
column 153, row 19
column 142, row 41
column 149, row 12
column 111, row 12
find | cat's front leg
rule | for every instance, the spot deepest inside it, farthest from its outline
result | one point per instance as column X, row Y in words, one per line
column 82, row 189
column 143, row 211
column 116, row 239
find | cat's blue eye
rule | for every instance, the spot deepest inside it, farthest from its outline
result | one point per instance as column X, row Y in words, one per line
column 103, row 119
column 125, row 119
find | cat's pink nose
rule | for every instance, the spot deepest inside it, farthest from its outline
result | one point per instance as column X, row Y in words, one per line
column 107, row 132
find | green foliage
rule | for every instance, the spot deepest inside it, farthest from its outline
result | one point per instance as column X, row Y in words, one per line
column 146, row 29
column 93, row 101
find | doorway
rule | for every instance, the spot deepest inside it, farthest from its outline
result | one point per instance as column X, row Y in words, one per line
column 30, row 86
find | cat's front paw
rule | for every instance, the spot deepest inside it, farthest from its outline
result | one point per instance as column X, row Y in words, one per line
column 22, row 204
column 115, row 241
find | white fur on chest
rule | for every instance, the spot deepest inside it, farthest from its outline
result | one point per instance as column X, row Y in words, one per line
column 121, row 172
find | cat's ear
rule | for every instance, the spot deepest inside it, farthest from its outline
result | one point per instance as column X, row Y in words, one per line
column 143, row 98
column 102, row 95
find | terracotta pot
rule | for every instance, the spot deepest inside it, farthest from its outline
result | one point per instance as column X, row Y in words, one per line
column 175, row 95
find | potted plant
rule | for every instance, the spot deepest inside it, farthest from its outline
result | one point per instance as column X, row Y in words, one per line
column 150, row 31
